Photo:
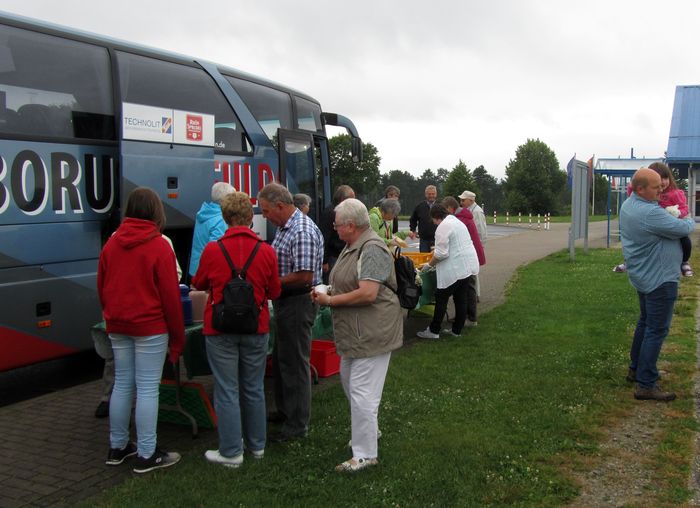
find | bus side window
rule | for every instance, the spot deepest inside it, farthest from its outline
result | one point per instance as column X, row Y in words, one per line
column 271, row 108
column 150, row 82
column 49, row 85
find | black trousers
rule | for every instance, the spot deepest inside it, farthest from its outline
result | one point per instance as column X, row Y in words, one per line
column 464, row 294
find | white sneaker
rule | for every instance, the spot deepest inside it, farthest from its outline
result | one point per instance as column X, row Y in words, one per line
column 257, row 454
column 215, row 457
column 427, row 334
column 468, row 323
column 448, row 331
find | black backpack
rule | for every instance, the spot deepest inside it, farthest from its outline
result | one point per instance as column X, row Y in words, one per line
column 237, row 311
column 406, row 288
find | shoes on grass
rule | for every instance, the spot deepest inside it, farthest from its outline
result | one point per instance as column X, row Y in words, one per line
column 448, row 331
column 686, row 270
column 215, row 457
column 621, row 268
column 353, row 465
column 469, row 324
column 158, row 460
column 654, row 393
column 116, row 455
column 427, row 334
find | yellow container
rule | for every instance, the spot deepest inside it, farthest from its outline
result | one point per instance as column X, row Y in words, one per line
column 418, row 258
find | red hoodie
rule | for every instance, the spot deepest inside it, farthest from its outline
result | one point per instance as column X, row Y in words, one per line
column 467, row 219
column 213, row 273
column 138, row 286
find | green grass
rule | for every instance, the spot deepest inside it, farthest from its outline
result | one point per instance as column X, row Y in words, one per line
column 501, row 416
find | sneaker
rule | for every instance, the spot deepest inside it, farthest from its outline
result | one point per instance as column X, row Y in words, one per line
column 215, row 457
column 654, row 393
column 158, row 460
column 426, row 334
column 258, row 454
column 469, row 324
column 631, row 375
column 353, row 465
column 102, row 410
column 687, row 270
column 284, row 437
column 621, row 268
column 448, row 331
column 117, row 456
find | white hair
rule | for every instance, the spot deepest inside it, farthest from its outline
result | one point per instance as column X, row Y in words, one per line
column 352, row 210
column 219, row 190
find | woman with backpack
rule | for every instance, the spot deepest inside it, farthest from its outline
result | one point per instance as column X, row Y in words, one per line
column 367, row 324
column 237, row 360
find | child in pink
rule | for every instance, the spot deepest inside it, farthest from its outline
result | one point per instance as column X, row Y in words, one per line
column 672, row 196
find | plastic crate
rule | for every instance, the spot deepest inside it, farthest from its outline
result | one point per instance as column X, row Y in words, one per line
column 324, row 358
column 418, row 258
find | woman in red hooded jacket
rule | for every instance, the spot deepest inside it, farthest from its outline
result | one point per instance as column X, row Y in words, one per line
column 139, row 291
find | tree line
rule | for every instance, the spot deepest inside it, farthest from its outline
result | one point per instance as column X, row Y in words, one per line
column 534, row 182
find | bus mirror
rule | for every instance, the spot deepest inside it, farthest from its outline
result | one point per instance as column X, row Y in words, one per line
column 356, row 150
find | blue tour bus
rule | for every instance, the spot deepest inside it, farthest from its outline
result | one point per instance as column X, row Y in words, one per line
column 86, row 119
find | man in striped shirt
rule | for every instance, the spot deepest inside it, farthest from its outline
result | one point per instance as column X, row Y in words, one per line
column 299, row 247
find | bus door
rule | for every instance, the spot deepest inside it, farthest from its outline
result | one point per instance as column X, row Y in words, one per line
column 298, row 166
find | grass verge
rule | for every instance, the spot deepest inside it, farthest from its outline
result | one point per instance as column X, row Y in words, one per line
column 498, row 416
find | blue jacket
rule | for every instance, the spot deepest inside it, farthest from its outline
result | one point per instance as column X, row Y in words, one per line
column 650, row 243
column 209, row 226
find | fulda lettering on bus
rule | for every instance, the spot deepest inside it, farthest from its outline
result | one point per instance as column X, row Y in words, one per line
column 28, row 181
column 239, row 175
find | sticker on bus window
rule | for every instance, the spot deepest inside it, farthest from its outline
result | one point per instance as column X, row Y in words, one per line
column 192, row 128
column 146, row 123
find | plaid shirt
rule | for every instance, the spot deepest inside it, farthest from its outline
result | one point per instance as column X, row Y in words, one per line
column 299, row 247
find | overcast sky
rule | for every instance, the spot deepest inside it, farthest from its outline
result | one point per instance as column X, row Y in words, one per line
column 432, row 82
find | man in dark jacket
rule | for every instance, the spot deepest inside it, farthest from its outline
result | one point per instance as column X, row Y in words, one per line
column 420, row 218
column 332, row 244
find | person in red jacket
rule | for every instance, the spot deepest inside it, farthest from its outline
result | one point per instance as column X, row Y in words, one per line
column 140, row 296
column 238, row 360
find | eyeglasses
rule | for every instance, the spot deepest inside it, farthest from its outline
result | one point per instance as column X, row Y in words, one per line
column 336, row 225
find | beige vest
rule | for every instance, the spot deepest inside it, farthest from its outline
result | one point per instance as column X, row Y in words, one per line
column 367, row 330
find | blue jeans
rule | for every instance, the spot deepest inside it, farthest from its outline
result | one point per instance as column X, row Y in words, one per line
column 655, row 313
column 238, row 365
column 138, row 366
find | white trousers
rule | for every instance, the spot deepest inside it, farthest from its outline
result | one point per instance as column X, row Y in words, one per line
column 363, row 382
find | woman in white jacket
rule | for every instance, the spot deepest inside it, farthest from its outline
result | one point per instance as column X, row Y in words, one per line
column 457, row 265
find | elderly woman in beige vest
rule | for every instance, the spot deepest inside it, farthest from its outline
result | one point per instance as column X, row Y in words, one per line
column 367, row 324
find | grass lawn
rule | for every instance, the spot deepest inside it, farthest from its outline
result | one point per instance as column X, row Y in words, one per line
column 500, row 416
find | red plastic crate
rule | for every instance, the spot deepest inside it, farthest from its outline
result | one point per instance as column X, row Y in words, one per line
column 324, row 358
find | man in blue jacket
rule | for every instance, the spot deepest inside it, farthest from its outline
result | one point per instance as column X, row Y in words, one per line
column 209, row 225
column 652, row 250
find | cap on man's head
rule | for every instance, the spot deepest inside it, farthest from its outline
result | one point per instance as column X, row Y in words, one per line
column 467, row 195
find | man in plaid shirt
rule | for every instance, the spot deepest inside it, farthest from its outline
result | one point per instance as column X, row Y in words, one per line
column 299, row 247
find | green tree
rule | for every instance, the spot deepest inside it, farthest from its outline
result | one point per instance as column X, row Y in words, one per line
column 363, row 177
column 460, row 179
column 489, row 193
column 534, row 182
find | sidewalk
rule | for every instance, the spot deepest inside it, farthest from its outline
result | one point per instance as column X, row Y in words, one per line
column 53, row 448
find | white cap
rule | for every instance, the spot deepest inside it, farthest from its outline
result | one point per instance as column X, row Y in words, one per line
column 467, row 195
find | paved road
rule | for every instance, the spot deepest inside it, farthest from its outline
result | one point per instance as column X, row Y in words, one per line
column 53, row 449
